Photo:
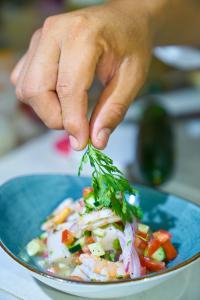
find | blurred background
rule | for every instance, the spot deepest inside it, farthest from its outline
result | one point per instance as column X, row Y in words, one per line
column 157, row 144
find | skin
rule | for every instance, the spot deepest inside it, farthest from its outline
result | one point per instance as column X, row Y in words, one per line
column 113, row 41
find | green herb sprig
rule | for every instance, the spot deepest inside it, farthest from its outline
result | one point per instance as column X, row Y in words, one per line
column 109, row 184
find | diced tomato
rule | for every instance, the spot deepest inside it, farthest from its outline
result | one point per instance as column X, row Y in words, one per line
column 140, row 244
column 153, row 245
column 67, row 237
column 89, row 240
column 142, row 261
column 87, row 191
column 143, row 245
column 143, row 271
column 162, row 235
column 170, row 251
column 152, row 265
column 86, row 249
column 143, row 235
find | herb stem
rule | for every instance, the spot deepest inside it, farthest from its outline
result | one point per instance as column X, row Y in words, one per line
column 107, row 182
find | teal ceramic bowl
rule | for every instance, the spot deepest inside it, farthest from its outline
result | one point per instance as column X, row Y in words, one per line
column 26, row 201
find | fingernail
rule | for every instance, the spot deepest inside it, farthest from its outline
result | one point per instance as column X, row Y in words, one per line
column 103, row 137
column 74, row 142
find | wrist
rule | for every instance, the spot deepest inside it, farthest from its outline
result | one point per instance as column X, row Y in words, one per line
column 174, row 22
column 159, row 19
column 137, row 12
column 155, row 13
column 169, row 22
column 152, row 12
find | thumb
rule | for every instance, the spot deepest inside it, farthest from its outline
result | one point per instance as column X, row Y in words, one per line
column 115, row 101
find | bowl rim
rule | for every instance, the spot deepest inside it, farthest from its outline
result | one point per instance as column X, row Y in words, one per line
column 121, row 281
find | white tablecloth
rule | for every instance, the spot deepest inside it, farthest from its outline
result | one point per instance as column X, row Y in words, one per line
column 40, row 157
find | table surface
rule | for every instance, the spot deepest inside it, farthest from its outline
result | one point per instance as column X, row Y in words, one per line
column 16, row 282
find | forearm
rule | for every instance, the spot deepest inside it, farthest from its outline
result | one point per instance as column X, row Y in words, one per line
column 178, row 24
column 171, row 21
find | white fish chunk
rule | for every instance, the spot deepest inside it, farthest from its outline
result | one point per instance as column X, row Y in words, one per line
column 110, row 235
column 110, row 270
column 56, row 249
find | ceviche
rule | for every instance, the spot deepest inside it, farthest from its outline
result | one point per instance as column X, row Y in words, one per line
column 100, row 237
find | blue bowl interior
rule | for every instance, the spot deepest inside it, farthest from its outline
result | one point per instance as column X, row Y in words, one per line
column 26, row 201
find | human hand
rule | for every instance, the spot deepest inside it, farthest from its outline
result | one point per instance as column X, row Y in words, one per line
column 55, row 74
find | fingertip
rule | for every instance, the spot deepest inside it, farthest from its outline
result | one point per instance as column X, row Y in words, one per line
column 98, row 146
column 78, row 132
column 100, row 139
column 74, row 143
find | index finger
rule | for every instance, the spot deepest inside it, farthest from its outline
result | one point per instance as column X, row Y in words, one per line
column 38, row 84
column 76, row 73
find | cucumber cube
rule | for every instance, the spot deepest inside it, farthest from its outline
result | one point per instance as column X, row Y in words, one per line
column 96, row 249
column 99, row 232
column 159, row 254
column 35, row 247
column 90, row 201
column 143, row 228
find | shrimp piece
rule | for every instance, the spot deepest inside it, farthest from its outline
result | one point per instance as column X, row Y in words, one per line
column 59, row 218
column 78, row 224
column 66, row 203
column 107, row 269
column 97, row 219
column 79, row 274
column 97, row 215
column 59, row 215
column 62, row 216
column 84, row 273
column 101, row 223
column 92, row 275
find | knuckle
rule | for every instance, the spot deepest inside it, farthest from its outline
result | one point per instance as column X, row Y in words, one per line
column 63, row 91
column 18, row 93
column 35, row 37
column 80, row 21
column 37, row 34
column 118, row 111
column 26, row 92
column 80, row 24
column 49, row 23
